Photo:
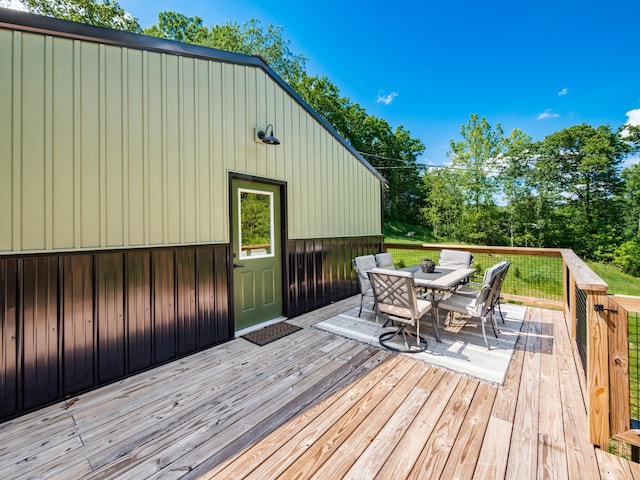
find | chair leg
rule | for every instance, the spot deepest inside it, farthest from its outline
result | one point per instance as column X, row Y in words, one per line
column 483, row 320
column 435, row 314
column 500, row 310
column 494, row 325
column 361, row 300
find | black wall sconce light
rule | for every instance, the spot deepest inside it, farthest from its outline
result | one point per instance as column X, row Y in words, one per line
column 263, row 136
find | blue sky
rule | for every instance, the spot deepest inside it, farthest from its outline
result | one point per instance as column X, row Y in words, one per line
column 538, row 66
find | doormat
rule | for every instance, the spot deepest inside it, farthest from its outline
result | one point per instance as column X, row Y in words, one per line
column 271, row 333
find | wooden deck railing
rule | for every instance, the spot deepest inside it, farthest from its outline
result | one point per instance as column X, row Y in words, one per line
column 598, row 324
column 587, row 325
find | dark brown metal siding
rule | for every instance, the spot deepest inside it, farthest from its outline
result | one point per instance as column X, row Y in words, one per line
column 78, row 323
column 139, row 319
column 74, row 322
column 319, row 271
column 164, row 306
column 40, row 330
column 9, row 365
column 212, row 297
column 110, row 302
column 186, row 301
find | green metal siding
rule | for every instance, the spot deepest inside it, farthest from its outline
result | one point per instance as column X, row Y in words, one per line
column 104, row 146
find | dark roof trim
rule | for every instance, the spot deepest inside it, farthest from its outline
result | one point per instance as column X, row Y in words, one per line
column 17, row 20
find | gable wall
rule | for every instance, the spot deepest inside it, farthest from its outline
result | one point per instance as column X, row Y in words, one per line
column 104, row 147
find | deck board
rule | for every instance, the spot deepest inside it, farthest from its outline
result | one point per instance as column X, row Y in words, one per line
column 315, row 405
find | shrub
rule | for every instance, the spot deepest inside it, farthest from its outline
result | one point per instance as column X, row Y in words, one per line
column 627, row 257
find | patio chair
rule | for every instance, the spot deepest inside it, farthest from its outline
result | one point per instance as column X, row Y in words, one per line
column 479, row 305
column 455, row 259
column 396, row 299
column 362, row 265
column 385, row 260
column 495, row 303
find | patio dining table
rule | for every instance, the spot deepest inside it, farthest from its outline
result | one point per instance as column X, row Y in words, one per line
column 436, row 282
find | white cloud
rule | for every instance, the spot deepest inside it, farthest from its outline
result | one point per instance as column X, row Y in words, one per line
column 386, row 99
column 548, row 114
column 633, row 117
column 563, row 92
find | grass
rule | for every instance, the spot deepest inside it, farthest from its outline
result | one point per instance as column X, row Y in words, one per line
column 535, row 280
column 398, row 232
column 619, row 282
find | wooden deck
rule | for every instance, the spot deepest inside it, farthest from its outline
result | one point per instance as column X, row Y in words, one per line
column 312, row 405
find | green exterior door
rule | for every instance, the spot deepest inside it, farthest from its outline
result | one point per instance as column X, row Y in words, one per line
column 257, row 252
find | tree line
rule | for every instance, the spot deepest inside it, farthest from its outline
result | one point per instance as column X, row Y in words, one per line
column 568, row 190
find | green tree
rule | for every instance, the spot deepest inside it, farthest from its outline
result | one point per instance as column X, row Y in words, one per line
column 250, row 39
column 444, row 199
column 475, row 157
column 515, row 168
column 106, row 13
column 631, row 198
column 584, row 163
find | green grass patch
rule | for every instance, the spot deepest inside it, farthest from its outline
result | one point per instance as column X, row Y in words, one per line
column 398, row 232
column 619, row 282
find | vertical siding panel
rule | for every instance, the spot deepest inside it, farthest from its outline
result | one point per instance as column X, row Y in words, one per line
column 163, row 288
column 77, row 144
column 189, row 212
column 276, row 169
column 260, row 117
column 155, row 151
column 303, row 176
column 16, row 212
column 110, row 309
column 351, row 187
column 289, row 126
column 7, row 102
column 115, row 104
column 89, row 125
column 146, row 94
column 134, row 224
column 203, row 167
column 32, row 138
column 172, row 117
column 252, row 155
column 270, row 154
column 228, row 117
column 124, row 135
column 323, row 185
column 139, row 324
column 321, row 199
column 218, row 163
column 78, row 323
column 206, row 314
column 40, row 342
column 240, row 119
column 63, row 159
column 346, row 187
column 361, row 205
column 187, row 315
column 8, row 337
column 224, row 319
column 48, row 144
column 311, row 156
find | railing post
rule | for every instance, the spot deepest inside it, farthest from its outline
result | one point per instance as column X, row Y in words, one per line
column 597, row 370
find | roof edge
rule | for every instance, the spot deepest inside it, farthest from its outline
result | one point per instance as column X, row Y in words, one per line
column 29, row 22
